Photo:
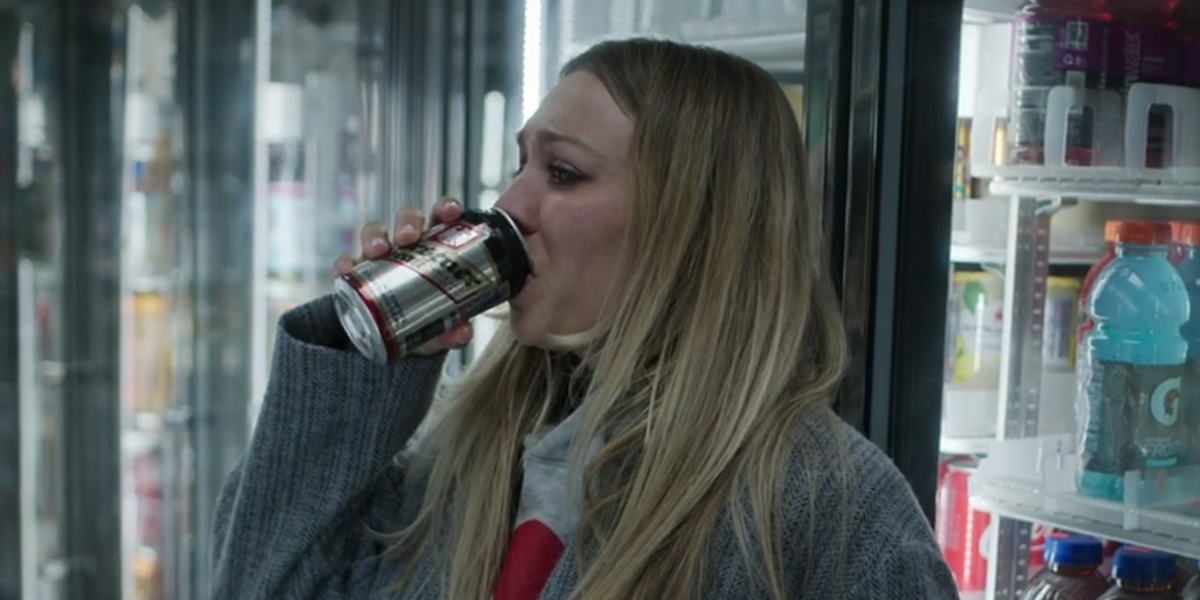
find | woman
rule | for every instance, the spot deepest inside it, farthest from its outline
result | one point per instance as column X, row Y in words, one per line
column 652, row 422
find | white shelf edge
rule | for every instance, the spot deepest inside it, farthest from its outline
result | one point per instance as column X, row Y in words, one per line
column 1028, row 505
column 1175, row 186
column 966, row 445
column 966, row 253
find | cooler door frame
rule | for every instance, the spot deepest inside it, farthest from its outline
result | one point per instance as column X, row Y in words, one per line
column 11, row 474
column 891, row 68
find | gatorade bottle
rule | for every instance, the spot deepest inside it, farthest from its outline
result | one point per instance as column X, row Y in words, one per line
column 1071, row 570
column 1085, row 320
column 1144, row 46
column 1130, row 405
column 1187, row 245
column 1175, row 252
column 1142, row 574
column 1055, row 42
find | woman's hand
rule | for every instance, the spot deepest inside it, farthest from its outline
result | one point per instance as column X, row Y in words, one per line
column 407, row 228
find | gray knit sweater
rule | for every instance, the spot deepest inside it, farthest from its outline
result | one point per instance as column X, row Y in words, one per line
column 292, row 517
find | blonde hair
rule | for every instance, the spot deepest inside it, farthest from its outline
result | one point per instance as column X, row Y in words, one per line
column 725, row 334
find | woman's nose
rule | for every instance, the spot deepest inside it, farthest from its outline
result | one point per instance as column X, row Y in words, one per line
column 520, row 207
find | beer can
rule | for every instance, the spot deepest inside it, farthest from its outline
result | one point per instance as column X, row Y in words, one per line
column 392, row 305
column 962, row 160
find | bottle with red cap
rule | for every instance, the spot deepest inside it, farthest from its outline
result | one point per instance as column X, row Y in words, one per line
column 1071, row 573
column 1056, row 42
column 1085, row 291
column 1144, row 46
column 1085, row 320
column 1130, row 406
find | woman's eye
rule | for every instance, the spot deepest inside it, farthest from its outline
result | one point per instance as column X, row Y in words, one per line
column 561, row 176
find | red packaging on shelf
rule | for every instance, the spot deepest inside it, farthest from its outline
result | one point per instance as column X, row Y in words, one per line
column 960, row 529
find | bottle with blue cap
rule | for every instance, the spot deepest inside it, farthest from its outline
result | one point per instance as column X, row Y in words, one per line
column 1072, row 569
column 1142, row 574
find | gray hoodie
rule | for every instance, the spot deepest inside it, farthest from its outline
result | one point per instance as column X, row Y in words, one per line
column 293, row 515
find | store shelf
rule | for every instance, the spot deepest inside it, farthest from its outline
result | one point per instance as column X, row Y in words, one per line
column 967, row 445
column 962, row 253
column 1033, row 480
column 1179, row 186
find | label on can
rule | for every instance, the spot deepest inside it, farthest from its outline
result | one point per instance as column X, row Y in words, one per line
column 1060, row 323
column 457, row 270
column 451, row 272
column 975, row 330
column 962, row 160
column 959, row 529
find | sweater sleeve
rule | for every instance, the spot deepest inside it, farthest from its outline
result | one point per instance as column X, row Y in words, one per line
column 909, row 570
column 292, row 518
column 894, row 553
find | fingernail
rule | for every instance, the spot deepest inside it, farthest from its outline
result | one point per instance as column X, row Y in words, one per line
column 407, row 230
column 379, row 244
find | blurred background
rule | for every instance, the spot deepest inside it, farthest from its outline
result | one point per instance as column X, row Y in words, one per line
column 174, row 174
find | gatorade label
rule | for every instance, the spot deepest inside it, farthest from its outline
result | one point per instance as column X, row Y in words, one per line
column 1135, row 418
column 1190, row 393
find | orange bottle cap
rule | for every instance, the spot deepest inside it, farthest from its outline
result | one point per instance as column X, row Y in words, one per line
column 1143, row 233
column 1188, row 233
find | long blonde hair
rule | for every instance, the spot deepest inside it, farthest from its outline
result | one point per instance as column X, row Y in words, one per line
column 725, row 335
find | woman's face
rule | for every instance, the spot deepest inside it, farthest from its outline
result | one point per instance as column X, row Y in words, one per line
column 570, row 199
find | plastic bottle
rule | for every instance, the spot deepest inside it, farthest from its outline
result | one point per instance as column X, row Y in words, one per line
column 1187, row 246
column 1144, row 46
column 1089, row 280
column 1192, row 590
column 1071, row 570
column 1129, row 411
column 1086, row 324
column 1142, row 574
column 1056, row 42
column 1187, row 20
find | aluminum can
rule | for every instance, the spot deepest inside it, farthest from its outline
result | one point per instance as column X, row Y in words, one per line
column 960, row 528
column 458, row 270
column 1061, row 322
